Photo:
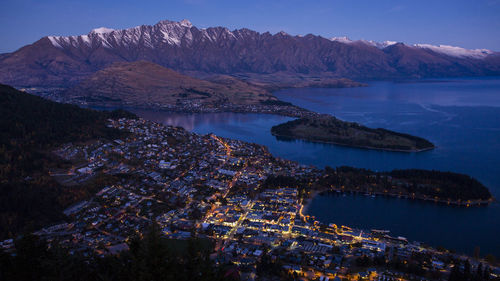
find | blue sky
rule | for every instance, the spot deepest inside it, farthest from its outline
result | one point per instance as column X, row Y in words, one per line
column 465, row 23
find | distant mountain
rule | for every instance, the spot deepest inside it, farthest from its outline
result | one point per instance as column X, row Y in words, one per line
column 66, row 60
column 144, row 83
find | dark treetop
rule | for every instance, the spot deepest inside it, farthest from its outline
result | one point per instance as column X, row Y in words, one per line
column 30, row 127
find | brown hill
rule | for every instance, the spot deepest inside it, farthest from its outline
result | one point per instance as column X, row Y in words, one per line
column 141, row 83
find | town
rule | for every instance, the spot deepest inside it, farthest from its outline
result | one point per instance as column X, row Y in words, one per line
column 208, row 187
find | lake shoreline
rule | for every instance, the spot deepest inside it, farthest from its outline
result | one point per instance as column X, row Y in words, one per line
column 454, row 203
column 308, row 201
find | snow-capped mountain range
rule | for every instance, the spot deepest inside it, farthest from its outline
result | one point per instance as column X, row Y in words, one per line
column 165, row 32
column 443, row 49
column 65, row 60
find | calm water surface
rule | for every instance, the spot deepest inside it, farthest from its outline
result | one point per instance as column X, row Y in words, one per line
column 462, row 117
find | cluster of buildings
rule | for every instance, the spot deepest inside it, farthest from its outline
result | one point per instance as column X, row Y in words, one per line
column 204, row 186
column 196, row 106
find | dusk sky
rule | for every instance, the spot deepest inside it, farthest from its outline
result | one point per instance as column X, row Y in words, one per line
column 465, row 23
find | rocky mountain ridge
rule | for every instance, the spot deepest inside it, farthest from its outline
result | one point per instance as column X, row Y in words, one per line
column 66, row 60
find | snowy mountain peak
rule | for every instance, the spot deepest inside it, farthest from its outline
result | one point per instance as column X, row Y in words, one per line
column 456, row 51
column 186, row 23
column 389, row 43
column 182, row 23
column 343, row 39
column 380, row 45
column 282, row 33
column 102, row 30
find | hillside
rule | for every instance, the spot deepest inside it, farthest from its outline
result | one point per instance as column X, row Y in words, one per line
column 329, row 129
column 31, row 127
column 55, row 61
column 144, row 83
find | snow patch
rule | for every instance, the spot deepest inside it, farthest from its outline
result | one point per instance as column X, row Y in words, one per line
column 389, row 43
column 343, row 39
column 380, row 45
column 53, row 40
column 102, row 30
column 186, row 23
column 456, row 51
column 347, row 40
column 188, row 36
column 86, row 39
column 172, row 40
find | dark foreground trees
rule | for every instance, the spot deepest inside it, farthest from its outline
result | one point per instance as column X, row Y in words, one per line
column 152, row 258
column 464, row 271
column 30, row 128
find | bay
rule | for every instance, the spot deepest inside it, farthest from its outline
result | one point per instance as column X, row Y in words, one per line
column 460, row 116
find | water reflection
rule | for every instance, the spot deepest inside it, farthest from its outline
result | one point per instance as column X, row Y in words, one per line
column 431, row 223
column 192, row 121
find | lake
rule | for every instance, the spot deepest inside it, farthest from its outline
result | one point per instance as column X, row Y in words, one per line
column 460, row 116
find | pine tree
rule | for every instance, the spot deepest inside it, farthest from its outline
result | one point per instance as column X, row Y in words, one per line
column 479, row 272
